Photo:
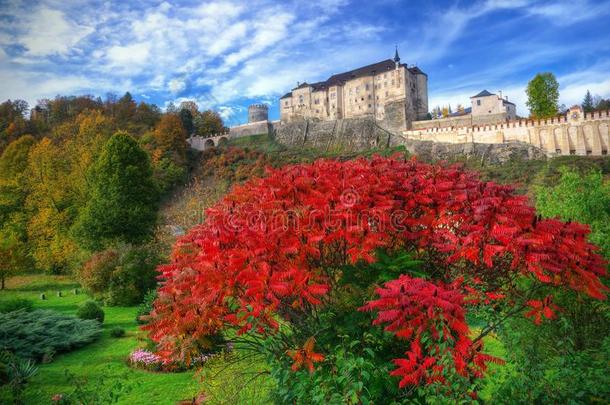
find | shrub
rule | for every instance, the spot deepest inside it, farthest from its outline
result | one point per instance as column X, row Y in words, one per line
column 40, row 334
column 146, row 306
column 96, row 273
column 90, row 310
column 16, row 304
column 121, row 275
column 117, row 332
column 16, row 373
column 135, row 275
column 277, row 251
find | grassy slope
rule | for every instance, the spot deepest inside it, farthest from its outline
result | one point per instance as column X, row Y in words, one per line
column 103, row 359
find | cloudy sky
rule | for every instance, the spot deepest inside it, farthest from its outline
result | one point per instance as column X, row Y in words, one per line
column 226, row 54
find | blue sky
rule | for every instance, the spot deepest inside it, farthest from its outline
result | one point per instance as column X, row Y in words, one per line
column 227, row 54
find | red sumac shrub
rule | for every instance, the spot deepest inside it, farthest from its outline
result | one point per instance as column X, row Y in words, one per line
column 273, row 247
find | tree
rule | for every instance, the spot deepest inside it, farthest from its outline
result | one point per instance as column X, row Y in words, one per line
column 543, row 95
column 603, row 104
column 254, row 265
column 123, row 196
column 587, row 103
column 209, row 123
column 13, row 255
column 187, row 120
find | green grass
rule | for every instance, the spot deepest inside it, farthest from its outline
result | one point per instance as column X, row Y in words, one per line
column 103, row 359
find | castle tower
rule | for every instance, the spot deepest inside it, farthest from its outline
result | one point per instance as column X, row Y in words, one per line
column 258, row 112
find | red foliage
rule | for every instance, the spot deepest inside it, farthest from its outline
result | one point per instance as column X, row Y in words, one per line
column 305, row 356
column 420, row 311
column 268, row 250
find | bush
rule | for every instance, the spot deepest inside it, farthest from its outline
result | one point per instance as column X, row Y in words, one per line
column 95, row 275
column 39, row 334
column 122, row 275
column 90, row 310
column 16, row 304
column 117, row 332
column 145, row 307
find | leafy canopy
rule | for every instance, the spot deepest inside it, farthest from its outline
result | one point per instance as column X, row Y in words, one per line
column 123, row 196
column 543, row 95
column 272, row 250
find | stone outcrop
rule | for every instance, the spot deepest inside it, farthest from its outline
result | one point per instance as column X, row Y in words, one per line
column 493, row 153
column 347, row 134
column 360, row 134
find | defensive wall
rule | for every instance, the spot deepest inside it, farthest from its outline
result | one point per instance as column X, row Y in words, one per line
column 575, row 133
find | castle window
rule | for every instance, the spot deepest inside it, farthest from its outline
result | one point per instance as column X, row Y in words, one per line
column 478, row 102
column 286, row 103
column 317, row 101
column 366, row 87
column 385, row 84
column 386, row 93
column 392, row 82
column 369, row 106
column 301, row 99
column 369, row 96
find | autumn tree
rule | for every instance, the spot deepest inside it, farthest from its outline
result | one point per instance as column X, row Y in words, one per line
column 13, row 255
column 543, row 95
column 208, row 123
column 123, row 196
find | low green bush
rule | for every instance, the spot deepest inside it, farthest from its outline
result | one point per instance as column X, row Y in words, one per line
column 16, row 304
column 117, row 332
column 91, row 310
column 39, row 334
column 146, row 306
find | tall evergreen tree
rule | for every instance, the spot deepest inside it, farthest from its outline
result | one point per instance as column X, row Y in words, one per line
column 587, row 103
column 543, row 95
column 124, row 197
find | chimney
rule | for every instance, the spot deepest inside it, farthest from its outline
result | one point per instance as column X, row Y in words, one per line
column 500, row 91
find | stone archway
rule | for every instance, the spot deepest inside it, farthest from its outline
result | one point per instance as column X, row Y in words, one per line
column 209, row 143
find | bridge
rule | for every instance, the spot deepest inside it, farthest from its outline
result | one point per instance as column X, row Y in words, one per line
column 207, row 142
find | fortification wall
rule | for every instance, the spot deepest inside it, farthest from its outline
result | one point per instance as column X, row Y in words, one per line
column 460, row 121
column 252, row 128
column 576, row 133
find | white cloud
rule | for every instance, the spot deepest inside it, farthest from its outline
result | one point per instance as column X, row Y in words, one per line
column 49, row 32
column 176, row 85
column 129, row 57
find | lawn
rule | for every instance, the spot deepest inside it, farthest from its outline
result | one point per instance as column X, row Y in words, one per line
column 101, row 365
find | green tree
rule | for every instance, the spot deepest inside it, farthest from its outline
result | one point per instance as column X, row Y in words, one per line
column 123, row 196
column 13, row 255
column 587, row 103
column 543, row 95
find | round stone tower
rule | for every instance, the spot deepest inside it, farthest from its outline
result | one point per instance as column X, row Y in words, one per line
column 258, row 112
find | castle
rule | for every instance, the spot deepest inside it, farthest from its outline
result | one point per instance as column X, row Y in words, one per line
column 368, row 91
column 387, row 103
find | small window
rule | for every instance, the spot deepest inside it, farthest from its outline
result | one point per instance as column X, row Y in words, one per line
column 369, row 106
column 286, row 103
column 393, row 82
column 366, row 87
column 301, row 99
column 369, row 96
column 478, row 102
column 386, row 93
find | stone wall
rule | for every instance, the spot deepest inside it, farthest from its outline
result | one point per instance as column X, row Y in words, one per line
column 576, row 133
column 460, row 121
column 253, row 128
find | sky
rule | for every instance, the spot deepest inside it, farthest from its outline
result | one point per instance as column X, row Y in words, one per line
column 227, row 54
